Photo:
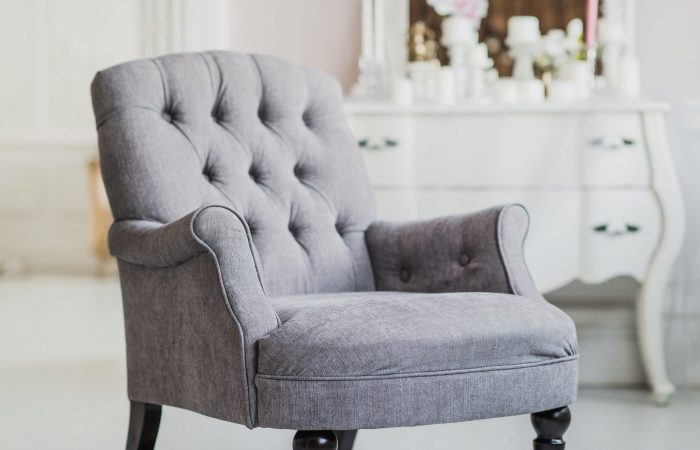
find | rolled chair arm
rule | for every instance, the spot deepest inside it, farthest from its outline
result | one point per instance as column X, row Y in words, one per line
column 181, row 316
column 479, row 252
column 154, row 244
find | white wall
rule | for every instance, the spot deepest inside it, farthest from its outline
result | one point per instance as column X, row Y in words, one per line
column 324, row 34
column 51, row 50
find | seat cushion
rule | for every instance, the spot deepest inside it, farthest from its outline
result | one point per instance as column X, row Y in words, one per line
column 390, row 333
column 365, row 347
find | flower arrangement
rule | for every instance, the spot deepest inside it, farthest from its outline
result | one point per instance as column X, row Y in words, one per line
column 474, row 10
column 558, row 47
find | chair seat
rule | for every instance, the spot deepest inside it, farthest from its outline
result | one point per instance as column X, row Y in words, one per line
column 433, row 349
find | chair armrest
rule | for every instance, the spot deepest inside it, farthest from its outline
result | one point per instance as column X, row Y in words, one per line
column 195, row 308
column 154, row 244
column 479, row 252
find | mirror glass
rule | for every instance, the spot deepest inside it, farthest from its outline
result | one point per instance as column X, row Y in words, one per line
column 551, row 13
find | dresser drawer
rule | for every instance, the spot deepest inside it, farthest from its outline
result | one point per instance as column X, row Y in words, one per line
column 505, row 150
column 613, row 151
column 619, row 233
column 385, row 142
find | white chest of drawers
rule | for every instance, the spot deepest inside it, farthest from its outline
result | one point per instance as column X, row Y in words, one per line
column 597, row 179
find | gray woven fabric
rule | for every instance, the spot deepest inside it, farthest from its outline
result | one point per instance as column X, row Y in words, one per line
column 241, row 212
column 361, row 334
column 474, row 252
column 266, row 138
column 158, row 270
column 420, row 400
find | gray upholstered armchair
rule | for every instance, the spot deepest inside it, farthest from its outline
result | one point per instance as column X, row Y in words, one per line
column 258, row 288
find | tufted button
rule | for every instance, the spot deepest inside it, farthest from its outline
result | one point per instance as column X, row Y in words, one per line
column 262, row 113
column 254, row 174
column 339, row 228
column 306, row 118
column 252, row 227
column 167, row 116
column 463, row 260
column 299, row 171
column 294, row 229
column 405, row 275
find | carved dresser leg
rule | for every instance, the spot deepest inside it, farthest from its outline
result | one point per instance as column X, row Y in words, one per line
column 550, row 427
column 144, row 420
column 315, row 440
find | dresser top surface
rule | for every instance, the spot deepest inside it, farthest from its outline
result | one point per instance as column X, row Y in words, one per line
column 474, row 107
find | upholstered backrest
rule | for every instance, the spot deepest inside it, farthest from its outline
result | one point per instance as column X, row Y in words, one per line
column 262, row 136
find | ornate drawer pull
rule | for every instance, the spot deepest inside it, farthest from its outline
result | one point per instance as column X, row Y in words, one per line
column 616, row 228
column 612, row 143
column 385, row 143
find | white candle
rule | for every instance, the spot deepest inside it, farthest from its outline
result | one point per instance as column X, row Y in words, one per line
column 630, row 20
column 379, row 43
column 367, row 26
column 591, row 22
column 523, row 30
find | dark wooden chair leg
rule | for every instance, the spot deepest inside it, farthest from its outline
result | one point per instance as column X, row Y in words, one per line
column 315, row 440
column 143, row 426
column 346, row 439
column 550, row 427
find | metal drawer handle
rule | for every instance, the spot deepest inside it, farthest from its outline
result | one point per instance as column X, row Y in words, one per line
column 613, row 143
column 616, row 228
column 385, row 143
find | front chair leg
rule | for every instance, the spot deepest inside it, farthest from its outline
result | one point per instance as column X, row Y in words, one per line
column 550, row 427
column 315, row 440
column 143, row 426
column 346, row 439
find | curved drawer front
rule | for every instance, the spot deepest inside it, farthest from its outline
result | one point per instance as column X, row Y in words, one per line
column 386, row 145
column 619, row 233
column 504, row 150
column 614, row 151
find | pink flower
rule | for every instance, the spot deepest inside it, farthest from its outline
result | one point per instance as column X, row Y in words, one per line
column 474, row 10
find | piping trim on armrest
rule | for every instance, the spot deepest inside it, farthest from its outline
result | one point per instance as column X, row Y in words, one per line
column 512, row 280
column 251, row 419
column 249, row 238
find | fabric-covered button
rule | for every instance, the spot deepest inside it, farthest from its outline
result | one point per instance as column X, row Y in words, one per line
column 206, row 173
column 463, row 260
column 254, row 174
column 262, row 113
column 405, row 275
column 306, row 118
column 298, row 171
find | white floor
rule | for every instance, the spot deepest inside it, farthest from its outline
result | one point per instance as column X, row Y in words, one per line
column 62, row 386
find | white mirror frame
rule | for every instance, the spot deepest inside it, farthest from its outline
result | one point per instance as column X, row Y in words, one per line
column 384, row 53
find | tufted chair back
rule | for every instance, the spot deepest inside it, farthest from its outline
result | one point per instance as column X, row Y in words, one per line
column 261, row 136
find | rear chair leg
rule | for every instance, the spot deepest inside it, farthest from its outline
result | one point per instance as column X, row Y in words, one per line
column 550, row 427
column 143, row 426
